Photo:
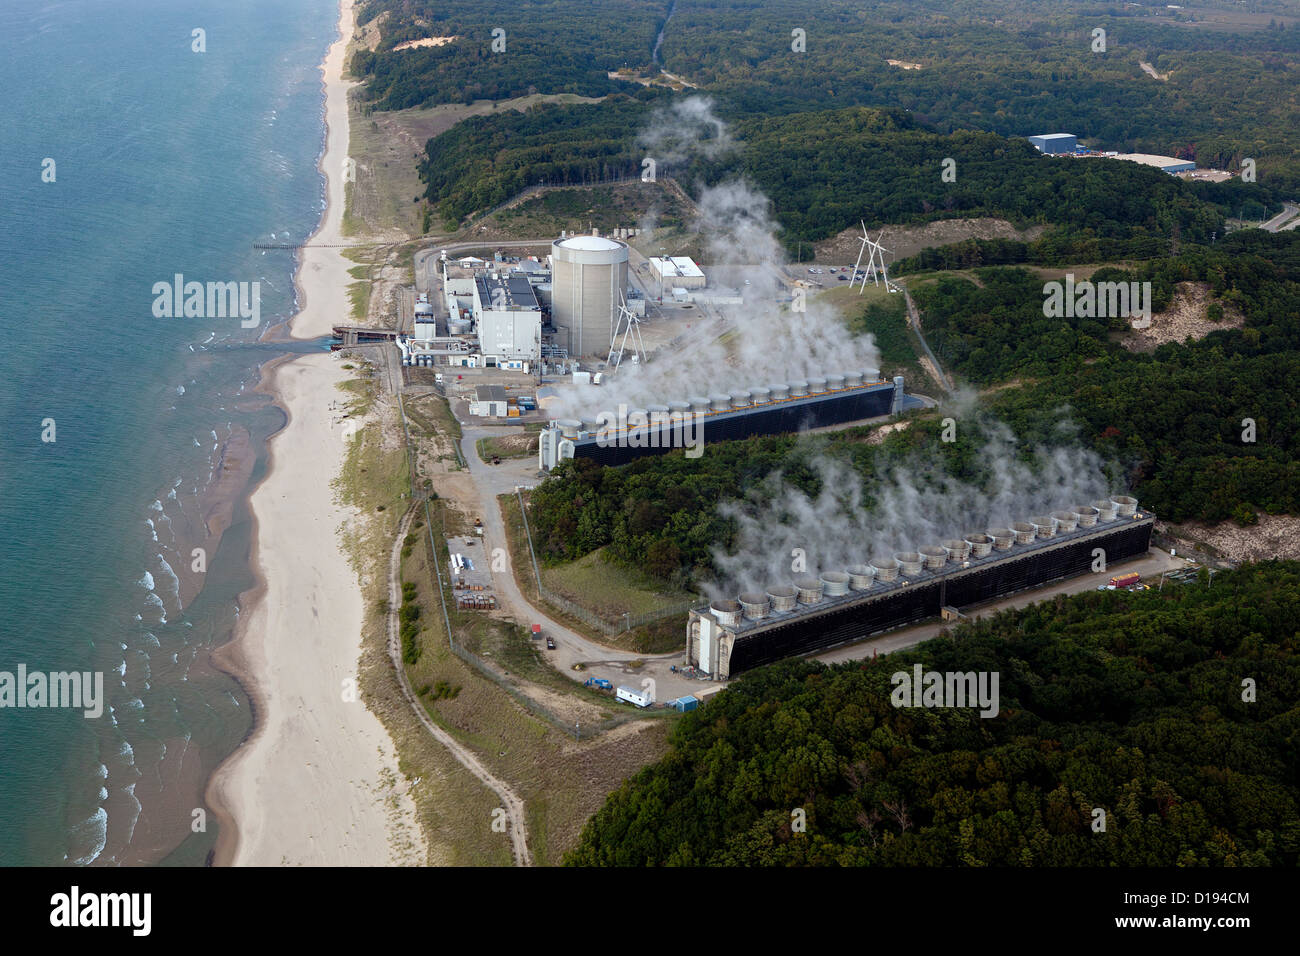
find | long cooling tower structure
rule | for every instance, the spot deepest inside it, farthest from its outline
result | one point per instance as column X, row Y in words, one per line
column 800, row 618
column 763, row 410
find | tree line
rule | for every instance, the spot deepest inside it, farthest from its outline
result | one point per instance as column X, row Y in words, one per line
column 1133, row 729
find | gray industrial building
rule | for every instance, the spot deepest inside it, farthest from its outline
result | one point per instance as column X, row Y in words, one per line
column 509, row 319
column 1055, row 142
column 588, row 285
column 841, row 607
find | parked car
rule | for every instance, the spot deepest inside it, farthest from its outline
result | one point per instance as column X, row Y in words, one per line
column 599, row 682
column 550, row 643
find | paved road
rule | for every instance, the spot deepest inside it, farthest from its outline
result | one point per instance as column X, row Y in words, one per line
column 426, row 259
column 1279, row 222
column 571, row 647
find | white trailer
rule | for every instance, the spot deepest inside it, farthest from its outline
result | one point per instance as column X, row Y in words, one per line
column 634, row 696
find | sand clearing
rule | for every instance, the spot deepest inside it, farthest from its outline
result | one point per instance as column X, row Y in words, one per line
column 427, row 41
column 317, row 783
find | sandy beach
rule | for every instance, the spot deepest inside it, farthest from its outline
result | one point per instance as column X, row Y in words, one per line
column 317, row 782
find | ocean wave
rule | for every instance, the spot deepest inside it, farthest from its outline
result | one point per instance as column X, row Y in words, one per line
column 167, row 570
column 152, row 530
column 180, row 389
column 94, row 832
column 129, row 790
column 156, row 506
column 146, row 582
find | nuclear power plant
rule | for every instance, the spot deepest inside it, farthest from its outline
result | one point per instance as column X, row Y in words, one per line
column 843, row 606
column 588, row 287
column 761, row 410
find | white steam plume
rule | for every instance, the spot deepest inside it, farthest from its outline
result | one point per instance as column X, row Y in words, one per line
column 915, row 505
column 752, row 345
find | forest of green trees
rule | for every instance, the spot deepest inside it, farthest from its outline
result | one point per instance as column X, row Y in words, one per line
column 1132, row 704
column 826, row 170
column 543, row 46
column 1025, row 66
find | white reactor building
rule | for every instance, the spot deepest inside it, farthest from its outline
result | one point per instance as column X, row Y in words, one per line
column 588, row 283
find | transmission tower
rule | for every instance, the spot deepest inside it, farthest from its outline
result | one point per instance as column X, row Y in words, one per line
column 876, row 267
column 629, row 323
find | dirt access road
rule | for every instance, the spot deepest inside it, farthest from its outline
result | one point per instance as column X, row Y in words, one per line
column 510, row 801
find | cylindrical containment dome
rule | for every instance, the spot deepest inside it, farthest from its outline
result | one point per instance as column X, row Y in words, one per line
column 957, row 549
column 1105, row 509
column 1085, row 515
column 886, row 569
column 934, row 556
column 1024, row 532
column 1125, row 506
column 980, row 544
column 754, row 605
column 588, row 283
column 834, row 583
column 1065, row 521
column 1044, row 525
column 861, row 576
column 909, row 562
column 727, row 612
column 810, row 590
column 798, row 388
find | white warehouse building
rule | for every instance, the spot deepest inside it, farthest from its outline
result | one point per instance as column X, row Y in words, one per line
column 677, row 272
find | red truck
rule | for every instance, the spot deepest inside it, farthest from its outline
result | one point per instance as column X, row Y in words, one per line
column 1125, row 580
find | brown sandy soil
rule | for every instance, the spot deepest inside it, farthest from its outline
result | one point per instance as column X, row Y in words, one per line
column 877, row 437
column 1276, row 536
column 1185, row 318
column 904, row 64
column 903, row 241
column 427, row 41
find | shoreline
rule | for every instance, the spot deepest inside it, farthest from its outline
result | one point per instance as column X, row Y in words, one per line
column 288, row 793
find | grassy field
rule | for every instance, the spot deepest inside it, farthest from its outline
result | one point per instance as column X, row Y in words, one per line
column 658, row 637
column 510, row 446
column 884, row 315
column 608, row 589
